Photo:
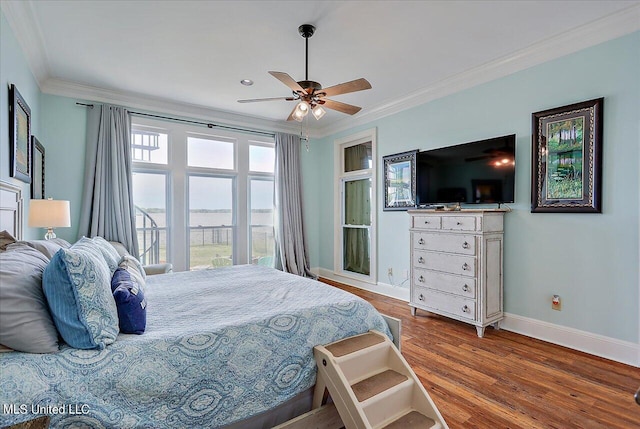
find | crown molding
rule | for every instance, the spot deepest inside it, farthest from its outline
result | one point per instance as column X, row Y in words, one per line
column 610, row 27
column 21, row 18
column 161, row 105
column 25, row 27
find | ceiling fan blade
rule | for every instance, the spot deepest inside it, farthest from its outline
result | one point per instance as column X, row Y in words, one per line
column 349, row 109
column 253, row 100
column 288, row 80
column 346, row 87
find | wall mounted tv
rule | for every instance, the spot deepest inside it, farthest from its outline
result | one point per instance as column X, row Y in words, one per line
column 480, row 172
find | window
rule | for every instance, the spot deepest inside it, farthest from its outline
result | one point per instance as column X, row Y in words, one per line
column 210, row 195
column 151, row 215
column 261, row 165
column 150, row 153
column 210, row 153
column 262, row 244
column 211, row 222
column 355, row 250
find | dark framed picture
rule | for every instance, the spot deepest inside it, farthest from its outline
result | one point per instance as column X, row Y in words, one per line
column 567, row 158
column 400, row 180
column 19, row 136
column 37, row 169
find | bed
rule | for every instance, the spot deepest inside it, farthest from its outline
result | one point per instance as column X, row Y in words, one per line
column 230, row 347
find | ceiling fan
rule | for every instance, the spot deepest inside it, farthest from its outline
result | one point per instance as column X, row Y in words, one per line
column 310, row 94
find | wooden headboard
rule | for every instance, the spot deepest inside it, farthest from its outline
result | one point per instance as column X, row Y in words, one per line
column 11, row 218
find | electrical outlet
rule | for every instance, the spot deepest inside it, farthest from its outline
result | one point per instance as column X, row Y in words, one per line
column 556, row 303
column 390, row 271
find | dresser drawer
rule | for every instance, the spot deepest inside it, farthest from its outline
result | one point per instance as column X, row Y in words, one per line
column 448, row 263
column 442, row 302
column 463, row 286
column 427, row 222
column 450, row 243
column 460, row 223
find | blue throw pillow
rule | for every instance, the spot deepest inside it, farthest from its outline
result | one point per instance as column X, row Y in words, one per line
column 131, row 303
column 76, row 284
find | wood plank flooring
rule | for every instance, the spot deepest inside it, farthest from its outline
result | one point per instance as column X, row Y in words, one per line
column 507, row 380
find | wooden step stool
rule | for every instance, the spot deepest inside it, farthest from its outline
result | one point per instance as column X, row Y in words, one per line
column 372, row 385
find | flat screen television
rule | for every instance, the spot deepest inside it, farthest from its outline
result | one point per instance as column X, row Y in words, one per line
column 480, row 172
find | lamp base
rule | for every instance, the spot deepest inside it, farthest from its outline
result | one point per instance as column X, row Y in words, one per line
column 50, row 235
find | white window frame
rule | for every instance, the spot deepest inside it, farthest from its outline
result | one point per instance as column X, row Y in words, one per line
column 340, row 178
column 178, row 173
column 155, row 168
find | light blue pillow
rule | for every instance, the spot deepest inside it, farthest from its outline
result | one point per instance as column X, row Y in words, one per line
column 77, row 284
column 108, row 252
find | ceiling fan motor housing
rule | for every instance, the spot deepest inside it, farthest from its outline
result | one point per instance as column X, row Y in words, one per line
column 310, row 86
column 306, row 30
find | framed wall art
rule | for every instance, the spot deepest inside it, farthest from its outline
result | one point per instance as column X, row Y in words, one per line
column 400, row 181
column 19, row 136
column 37, row 169
column 567, row 158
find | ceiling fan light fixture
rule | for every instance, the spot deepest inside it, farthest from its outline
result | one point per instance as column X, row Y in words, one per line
column 318, row 112
column 303, row 107
column 301, row 110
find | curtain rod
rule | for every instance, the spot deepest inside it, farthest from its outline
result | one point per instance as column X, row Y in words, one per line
column 207, row 124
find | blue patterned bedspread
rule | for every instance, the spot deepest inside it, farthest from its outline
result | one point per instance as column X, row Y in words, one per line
column 220, row 346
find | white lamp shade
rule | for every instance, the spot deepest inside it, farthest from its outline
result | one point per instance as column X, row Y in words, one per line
column 49, row 213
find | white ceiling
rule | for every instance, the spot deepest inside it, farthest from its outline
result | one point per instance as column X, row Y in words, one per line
column 194, row 53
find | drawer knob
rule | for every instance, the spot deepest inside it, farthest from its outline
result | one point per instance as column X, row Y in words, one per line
column 465, row 245
column 458, row 223
column 465, row 288
column 421, row 260
column 421, row 241
column 465, row 266
column 426, row 222
column 421, row 279
column 465, row 309
column 421, row 297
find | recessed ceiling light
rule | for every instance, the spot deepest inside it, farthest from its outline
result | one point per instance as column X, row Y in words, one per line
column 246, row 82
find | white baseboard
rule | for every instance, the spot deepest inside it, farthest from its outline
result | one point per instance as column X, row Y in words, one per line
column 599, row 345
column 398, row 292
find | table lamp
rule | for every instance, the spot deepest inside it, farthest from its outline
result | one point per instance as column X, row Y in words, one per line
column 49, row 214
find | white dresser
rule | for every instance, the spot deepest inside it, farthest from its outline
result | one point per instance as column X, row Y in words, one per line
column 456, row 265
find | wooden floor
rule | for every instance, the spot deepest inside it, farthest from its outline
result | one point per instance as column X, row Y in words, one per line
column 507, row 380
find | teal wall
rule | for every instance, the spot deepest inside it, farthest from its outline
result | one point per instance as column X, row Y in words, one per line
column 64, row 136
column 591, row 260
column 14, row 69
column 57, row 123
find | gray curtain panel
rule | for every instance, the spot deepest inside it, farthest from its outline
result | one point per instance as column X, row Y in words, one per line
column 291, row 250
column 107, row 203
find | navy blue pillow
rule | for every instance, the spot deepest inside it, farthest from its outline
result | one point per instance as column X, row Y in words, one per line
column 130, row 301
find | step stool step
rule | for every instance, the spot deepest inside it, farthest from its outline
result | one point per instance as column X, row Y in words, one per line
column 353, row 344
column 378, row 383
column 411, row 420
